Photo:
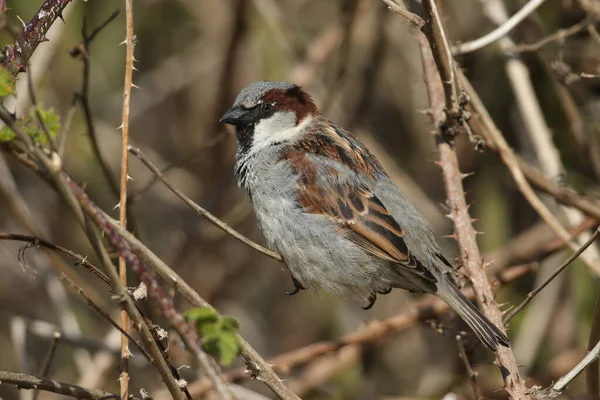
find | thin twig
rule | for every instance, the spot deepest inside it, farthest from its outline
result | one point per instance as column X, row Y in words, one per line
column 560, row 269
column 107, row 317
column 164, row 301
column 493, row 135
column 36, row 109
column 421, row 310
column 472, row 374
column 413, row 18
column 129, row 59
column 210, row 217
column 559, row 35
column 137, row 194
column 83, row 52
column 562, row 193
column 592, row 373
column 500, row 31
column 79, row 259
column 23, row 381
column 587, row 360
column 62, row 183
column 261, row 370
column 48, row 360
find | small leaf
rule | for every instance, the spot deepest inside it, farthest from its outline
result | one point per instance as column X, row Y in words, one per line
column 50, row 119
column 218, row 333
column 6, row 134
column 201, row 315
column 230, row 348
column 7, row 83
column 230, row 324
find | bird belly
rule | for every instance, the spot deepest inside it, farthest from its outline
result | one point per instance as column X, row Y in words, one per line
column 316, row 255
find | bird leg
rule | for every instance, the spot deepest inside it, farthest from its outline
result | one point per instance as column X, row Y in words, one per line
column 297, row 287
column 372, row 299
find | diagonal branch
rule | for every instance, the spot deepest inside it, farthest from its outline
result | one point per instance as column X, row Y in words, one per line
column 15, row 56
column 23, row 381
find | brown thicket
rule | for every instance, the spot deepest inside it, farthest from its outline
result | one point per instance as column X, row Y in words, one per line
column 486, row 113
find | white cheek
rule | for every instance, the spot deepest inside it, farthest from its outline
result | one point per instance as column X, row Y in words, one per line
column 280, row 127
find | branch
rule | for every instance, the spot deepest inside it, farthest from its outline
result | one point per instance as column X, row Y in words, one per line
column 23, row 381
column 439, row 87
column 541, row 287
column 62, row 182
column 15, row 56
column 413, row 18
column 129, row 59
column 587, row 360
column 211, row 218
column 421, row 310
column 107, row 317
column 500, row 31
column 487, row 128
column 79, row 259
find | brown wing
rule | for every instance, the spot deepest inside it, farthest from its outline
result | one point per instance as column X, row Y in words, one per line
column 360, row 215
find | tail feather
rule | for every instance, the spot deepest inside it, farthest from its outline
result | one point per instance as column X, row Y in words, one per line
column 486, row 331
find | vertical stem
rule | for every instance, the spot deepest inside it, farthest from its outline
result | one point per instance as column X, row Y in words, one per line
column 129, row 59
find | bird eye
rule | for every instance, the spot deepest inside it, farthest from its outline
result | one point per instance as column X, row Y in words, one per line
column 266, row 106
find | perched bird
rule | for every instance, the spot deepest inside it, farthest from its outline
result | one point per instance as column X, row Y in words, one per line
column 324, row 202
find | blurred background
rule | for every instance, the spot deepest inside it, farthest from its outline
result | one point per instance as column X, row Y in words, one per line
column 362, row 65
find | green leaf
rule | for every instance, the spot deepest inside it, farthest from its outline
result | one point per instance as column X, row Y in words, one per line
column 7, row 83
column 6, row 134
column 201, row 315
column 50, row 119
column 30, row 124
column 230, row 348
column 219, row 334
column 230, row 324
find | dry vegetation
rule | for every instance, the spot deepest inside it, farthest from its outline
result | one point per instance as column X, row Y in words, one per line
column 509, row 126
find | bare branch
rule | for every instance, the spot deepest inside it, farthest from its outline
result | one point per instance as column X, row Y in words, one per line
column 472, row 374
column 588, row 359
column 79, row 259
column 63, row 184
column 48, row 360
column 413, row 18
column 107, row 317
column 439, row 86
column 211, row 218
column 500, row 31
column 560, row 269
column 129, row 59
column 421, row 310
column 24, row 381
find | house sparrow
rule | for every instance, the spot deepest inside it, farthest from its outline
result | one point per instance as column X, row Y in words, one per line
column 324, row 202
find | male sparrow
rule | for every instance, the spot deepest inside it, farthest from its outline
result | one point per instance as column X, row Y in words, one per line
column 324, row 202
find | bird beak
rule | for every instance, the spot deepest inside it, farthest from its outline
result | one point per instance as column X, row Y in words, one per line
column 236, row 116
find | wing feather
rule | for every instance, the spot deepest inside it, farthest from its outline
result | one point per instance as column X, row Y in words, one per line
column 360, row 216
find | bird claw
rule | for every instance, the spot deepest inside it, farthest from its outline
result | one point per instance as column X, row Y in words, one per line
column 372, row 299
column 385, row 291
column 297, row 287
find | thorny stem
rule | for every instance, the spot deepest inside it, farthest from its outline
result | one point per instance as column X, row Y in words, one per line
column 53, row 172
column 129, row 59
column 15, row 56
column 439, row 92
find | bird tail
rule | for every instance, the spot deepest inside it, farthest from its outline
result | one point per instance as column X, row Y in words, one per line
column 486, row 331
